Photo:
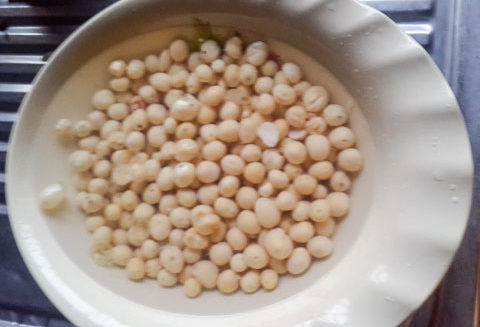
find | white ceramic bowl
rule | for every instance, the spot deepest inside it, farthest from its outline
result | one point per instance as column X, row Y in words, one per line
column 410, row 204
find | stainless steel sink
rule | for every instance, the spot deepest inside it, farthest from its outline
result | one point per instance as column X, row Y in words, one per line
column 31, row 30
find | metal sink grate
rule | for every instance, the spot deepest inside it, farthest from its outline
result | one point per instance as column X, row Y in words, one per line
column 31, row 30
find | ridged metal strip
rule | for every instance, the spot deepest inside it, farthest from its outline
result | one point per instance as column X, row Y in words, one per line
column 66, row 10
column 401, row 5
column 20, row 64
column 35, row 35
column 13, row 93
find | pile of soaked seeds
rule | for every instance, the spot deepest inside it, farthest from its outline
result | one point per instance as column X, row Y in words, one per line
column 219, row 168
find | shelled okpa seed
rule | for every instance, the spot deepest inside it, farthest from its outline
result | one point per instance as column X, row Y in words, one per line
column 219, row 168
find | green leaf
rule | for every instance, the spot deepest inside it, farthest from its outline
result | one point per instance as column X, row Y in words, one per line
column 203, row 31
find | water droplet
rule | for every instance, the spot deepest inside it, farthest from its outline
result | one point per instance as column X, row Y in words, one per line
column 438, row 175
column 454, row 199
column 375, row 97
column 356, row 70
column 389, row 299
column 331, row 6
column 452, row 187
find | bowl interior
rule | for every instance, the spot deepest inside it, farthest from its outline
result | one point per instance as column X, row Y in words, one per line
column 409, row 205
column 72, row 100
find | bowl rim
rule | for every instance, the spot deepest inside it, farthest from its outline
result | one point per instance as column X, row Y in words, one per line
column 67, row 302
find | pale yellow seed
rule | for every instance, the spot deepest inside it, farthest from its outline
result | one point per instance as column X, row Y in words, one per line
column 228, row 186
column 301, row 211
column 296, row 116
column 135, row 269
column 227, row 281
column 225, row 207
column 315, row 98
column 194, row 240
column 184, row 174
column 282, row 127
column 214, row 151
column 322, row 170
column 350, row 160
column 251, row 152
column 320, row 247
column 232, row 165
column 186, row 130
column 248, row 222
column 246, row 197
column 340, row 182
column 255, row 256
column 342, row 137
column 269, row 279
column 325, row 228
column 206, row 115
column 250, row 282
column 335, row 115
column 267, row 212
column 236, row 239
column 192, row 288
column 339, row 203
column 278, row 179
column 295, row 152
column 219, row 233
column 320, row 210
column 208, row 171
column 228, row 131
column 305, row 184
column 316, row 125
column 278, row 244
column 237, row 263
column 220, row 253
column 286, row 201
column 318, row 147
column 299, row 261
column 301, row 232
column 254, row 172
